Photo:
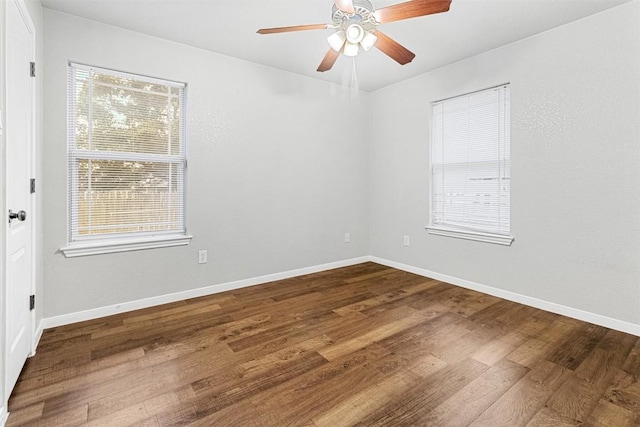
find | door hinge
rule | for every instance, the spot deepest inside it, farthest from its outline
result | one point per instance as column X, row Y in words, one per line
column 33, row 185
column 32, row 69
column 32, row 302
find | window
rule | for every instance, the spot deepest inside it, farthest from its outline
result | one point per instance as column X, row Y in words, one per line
column 470, row 167
column 126, row 151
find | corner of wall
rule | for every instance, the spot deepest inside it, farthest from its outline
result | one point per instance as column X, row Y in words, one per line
column 607, row 322
column 65, row 319
column 369, row 169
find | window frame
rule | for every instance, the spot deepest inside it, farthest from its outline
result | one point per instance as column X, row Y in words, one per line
column 94, row 244
column 462, row 232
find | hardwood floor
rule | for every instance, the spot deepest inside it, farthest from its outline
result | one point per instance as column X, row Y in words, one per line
column 362, row 345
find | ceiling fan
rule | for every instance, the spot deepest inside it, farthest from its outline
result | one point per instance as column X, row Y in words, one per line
column 356, row 22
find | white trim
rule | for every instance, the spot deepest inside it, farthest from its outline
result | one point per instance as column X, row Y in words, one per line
column 3, row 415
column 65, row 319
column 96, row 247
column 608, row 322
column 36, row 338
column 498, row 239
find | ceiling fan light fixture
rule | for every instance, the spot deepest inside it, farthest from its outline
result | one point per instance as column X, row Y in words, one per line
column 355, row 24
column 368, row 41
column 336, row 40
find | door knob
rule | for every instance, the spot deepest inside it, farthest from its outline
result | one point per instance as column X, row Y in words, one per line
column 20, row 215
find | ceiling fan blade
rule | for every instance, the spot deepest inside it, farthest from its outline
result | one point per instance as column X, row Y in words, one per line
column 294, row 28
column 393, row 49
column 411, row 9
column 328, row 61
column 345, row 5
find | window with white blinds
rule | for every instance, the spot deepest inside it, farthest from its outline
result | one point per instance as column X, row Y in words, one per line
column 470, row 166
column 126, row 151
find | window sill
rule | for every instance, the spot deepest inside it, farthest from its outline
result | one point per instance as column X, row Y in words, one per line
column 470, row 235
column 122, row 245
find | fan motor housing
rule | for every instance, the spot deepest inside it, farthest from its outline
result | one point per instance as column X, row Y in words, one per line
column 362, row 16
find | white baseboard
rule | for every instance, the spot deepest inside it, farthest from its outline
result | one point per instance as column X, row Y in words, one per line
column 608, row 322
column 36, row 338
column 65, row 319
column 575, row 313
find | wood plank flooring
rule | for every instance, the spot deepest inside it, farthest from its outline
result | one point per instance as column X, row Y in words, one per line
column 364, row 345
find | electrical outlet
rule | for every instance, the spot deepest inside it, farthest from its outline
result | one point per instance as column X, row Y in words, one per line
column 347, row 237
column 406, row 240
column 202, row 257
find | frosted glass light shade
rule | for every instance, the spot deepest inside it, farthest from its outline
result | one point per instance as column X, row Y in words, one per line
column 368, row 41
column 336, row 40
column 350, row 49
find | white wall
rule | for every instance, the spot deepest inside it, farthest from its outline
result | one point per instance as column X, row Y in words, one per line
column 575, row 144
column 278, row 170
column 280, row 166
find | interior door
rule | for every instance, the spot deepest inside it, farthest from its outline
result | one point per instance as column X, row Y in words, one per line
column 19, row 137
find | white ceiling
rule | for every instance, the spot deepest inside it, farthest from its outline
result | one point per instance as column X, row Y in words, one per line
column 229, row 27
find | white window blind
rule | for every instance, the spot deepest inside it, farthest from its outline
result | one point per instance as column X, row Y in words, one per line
column 126, row 146
column 470, row 162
